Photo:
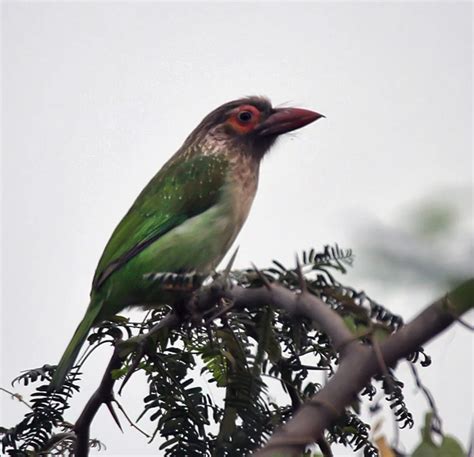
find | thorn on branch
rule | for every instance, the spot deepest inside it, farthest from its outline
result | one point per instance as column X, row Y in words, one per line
column 114, row 414
column 229, row 266
column 139, row 353
column 464, row 323
column 224, row 310
column 262, row 277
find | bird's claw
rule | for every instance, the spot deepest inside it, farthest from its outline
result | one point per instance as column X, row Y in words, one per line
column 178, row 282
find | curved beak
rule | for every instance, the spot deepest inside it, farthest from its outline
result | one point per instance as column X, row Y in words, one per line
column 285, row 120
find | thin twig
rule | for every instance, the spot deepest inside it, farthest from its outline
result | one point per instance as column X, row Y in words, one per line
column 130, row 422
column 436, row 421
column 17, row 397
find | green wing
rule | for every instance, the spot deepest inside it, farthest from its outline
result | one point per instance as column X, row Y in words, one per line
column 182, row 189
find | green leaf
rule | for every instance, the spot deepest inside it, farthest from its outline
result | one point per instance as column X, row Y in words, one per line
column 118, row 373
column 449, row 447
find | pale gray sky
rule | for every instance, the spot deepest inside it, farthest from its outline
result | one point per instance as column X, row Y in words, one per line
column 96, row 96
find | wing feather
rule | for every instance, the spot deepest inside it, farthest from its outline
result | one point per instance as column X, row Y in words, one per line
column 180, row 190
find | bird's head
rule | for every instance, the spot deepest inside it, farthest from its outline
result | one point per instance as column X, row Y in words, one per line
column 249, row 126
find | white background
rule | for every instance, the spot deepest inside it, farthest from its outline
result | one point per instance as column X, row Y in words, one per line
column 96, row 96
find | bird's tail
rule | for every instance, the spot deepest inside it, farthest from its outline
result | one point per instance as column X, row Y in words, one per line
column 74, row 346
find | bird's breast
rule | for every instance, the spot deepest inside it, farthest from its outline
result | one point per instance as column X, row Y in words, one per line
column 241, row 190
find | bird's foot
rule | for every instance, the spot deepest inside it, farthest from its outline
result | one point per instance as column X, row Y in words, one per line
column 211, row 302
column 177, row 282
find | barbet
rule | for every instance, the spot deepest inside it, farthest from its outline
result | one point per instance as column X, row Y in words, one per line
column 188, row 215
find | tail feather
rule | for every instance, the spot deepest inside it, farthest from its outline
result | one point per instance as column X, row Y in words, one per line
column 74, row 346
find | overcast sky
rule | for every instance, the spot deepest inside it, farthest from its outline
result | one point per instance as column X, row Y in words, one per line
column 97, row 96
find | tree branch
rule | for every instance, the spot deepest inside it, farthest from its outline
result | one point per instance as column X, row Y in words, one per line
column 359, row 364
column 304, row 304
column 104, row 393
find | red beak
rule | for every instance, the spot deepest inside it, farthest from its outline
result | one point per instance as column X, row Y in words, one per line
column 287, row 119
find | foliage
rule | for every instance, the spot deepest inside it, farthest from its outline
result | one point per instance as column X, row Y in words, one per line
column 251, row 356
column 449, row 446
column 47, row 410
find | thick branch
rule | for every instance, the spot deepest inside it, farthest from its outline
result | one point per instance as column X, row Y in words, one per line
column 305, row 304
column 358, row 367
column 103, row 394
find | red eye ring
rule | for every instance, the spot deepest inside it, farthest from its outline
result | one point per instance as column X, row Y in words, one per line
column 245, row 116
column 244, row 119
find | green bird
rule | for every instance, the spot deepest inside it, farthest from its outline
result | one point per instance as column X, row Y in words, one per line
column 189, row 214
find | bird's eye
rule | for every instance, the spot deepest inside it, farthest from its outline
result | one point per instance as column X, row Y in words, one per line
column 245, row 116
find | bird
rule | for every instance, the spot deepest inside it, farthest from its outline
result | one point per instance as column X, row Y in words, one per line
column 188, row 215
